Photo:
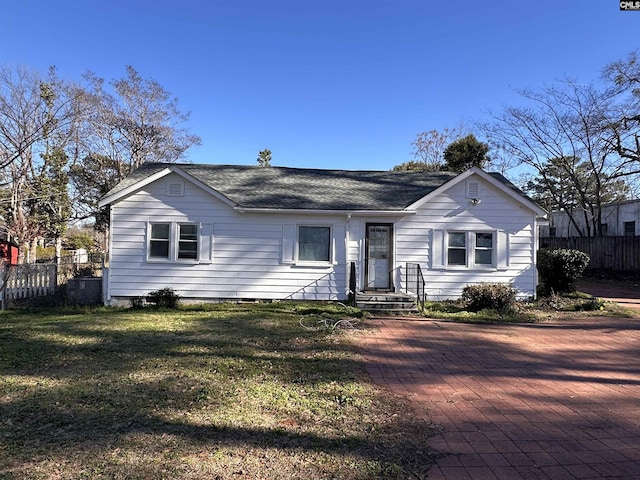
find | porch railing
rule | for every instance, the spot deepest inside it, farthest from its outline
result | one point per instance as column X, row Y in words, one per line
column 415, row 283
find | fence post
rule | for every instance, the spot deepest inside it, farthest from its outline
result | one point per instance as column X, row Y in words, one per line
column 3, row 287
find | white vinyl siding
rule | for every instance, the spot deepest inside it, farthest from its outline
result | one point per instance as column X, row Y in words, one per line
column 255, row 255
column 423, row 239
column 241, row 256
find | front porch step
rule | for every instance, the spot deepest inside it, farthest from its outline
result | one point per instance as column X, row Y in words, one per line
column 386, row 303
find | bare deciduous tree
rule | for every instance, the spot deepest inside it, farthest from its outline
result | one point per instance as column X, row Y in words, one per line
column 37, row 115
column 568, row 124
column 133, row 122
column 624, row 78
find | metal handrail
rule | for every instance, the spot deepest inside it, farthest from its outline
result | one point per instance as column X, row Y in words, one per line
column 415, row 283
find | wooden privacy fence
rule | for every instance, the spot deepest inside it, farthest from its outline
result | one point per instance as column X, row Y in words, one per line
column 21, row 282
column 621, row 254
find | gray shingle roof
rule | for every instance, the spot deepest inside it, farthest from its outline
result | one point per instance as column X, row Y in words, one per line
column 309, row 189
column 301, row 188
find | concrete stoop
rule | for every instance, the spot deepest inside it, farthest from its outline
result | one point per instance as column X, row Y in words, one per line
column 386, row 303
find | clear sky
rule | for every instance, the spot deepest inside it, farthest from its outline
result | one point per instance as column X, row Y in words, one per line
column 323, row 84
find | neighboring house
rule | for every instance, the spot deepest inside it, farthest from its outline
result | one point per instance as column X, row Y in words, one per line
column 618, row 219
column 9, row 249
column 222, row 232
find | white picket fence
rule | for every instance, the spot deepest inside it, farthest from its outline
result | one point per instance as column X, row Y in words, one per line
column 22, row 282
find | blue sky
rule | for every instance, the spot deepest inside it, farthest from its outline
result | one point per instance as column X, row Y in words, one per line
column 331, row 84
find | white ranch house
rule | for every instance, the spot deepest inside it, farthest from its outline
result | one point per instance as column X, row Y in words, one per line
column 224, row 232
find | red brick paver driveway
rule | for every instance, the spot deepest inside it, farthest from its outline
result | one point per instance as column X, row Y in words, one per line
column 543, row 401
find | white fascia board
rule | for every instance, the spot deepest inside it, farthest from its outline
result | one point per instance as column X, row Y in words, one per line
column 485, row 176
column 132, row 188
column 364, row 213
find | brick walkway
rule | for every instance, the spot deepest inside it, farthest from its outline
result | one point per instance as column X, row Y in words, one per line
column 544, row 401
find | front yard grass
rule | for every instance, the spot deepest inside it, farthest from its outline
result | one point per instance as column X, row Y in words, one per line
column 259, row 391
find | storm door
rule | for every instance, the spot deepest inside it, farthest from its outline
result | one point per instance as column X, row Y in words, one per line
column 378, row 259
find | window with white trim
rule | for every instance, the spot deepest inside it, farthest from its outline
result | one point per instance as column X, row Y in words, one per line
column 483, row 249
column 314, row 243
column 457, row 248
column 470, row 249
column 171, row 242
column 159, row 240
column 188, row 241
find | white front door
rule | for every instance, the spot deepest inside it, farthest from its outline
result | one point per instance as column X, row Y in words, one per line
column 379, row 256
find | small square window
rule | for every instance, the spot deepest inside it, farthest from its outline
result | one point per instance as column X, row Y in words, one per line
column 629, row 229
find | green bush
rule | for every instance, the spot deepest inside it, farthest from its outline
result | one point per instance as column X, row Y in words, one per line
column 591, row 305
column 165, row 297
column 495, row 296
column 559, row 269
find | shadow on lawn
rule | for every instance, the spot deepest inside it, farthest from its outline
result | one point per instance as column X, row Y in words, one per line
column 80, row 384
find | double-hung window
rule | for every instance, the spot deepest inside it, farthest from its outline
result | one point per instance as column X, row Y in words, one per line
column 173, row 241
column 483, row 249
column 314, row 243
column 160, row 241
column 470, row 249
column 187, row 241
column 457, row 248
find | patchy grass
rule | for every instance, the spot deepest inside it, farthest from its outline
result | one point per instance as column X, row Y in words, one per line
column 260, row 391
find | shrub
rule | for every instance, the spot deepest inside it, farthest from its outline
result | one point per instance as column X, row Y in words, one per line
column 165, row 297
column 591, row 305
column 496, row 296
column 560, row 268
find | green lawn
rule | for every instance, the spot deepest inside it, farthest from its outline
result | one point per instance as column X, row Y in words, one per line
column 231, row 391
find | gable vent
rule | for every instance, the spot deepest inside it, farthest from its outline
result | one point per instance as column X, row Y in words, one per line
column 175, row 189
column 473, row 189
